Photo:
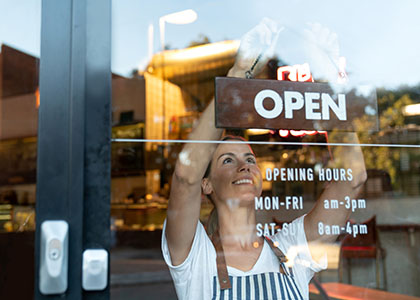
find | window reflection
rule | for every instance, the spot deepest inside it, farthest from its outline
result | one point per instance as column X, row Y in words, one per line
column 18, row 130
column 164, row 97
column 179, row 83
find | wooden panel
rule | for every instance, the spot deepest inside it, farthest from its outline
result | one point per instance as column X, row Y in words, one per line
column 293, row 105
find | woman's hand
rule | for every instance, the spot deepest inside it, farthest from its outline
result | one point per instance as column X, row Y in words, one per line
column 323, row 51
column 256, row 48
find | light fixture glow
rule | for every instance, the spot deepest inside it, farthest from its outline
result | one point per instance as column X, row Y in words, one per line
column 182, row 17
column 179, row 18
column 254, row 131
column 411, row 110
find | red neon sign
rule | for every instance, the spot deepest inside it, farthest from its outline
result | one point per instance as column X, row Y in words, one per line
column 301, row 73
column 298, row 133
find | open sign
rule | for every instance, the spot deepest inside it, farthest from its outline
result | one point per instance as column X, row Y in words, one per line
column 273, row 104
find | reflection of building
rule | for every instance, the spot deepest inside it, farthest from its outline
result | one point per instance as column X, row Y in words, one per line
column 180, row 83
column 19, row 84
column 19, row 125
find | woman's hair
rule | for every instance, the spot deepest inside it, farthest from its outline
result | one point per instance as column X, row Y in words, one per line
column 213, row 220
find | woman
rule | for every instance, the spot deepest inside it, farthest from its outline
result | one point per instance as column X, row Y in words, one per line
column 235, row 263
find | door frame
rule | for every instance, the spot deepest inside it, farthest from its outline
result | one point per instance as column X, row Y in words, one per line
column 74, row 132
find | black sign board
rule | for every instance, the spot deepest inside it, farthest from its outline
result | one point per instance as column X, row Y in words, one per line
column 274, row 104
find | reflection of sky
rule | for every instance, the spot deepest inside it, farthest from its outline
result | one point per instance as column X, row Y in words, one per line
column 379, row 39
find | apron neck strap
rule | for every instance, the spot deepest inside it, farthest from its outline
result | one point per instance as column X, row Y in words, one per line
column 274, row 246
column 280, row 255
column 222, row 272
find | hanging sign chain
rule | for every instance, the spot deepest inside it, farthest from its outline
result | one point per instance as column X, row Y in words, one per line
column 248, row 74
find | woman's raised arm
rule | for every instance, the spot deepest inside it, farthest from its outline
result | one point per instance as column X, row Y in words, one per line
column 185, row 196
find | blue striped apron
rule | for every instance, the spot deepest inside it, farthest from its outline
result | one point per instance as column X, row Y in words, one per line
column 264, row 286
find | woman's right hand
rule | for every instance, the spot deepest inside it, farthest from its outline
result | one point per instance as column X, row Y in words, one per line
column 256, row 47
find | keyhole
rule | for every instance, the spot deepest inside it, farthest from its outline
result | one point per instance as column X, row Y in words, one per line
column 54, row 254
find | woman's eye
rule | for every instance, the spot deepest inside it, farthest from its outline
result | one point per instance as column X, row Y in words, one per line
column 227, row 160
column 250, row 160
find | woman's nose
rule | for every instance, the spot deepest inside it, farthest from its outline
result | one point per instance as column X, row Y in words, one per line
column 243, row 168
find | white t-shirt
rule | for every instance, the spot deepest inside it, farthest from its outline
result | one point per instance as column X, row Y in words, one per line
column 194, row 278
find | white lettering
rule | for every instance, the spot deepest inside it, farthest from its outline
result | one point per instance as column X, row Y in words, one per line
column 275, row 203
column 267, row 203
column 268, row 174
column 290, row 174
column 349, row 174
column 328, row 174
column 276, row 173
column 288, row 201
column 288, row 229
column 259, row 229
column 283, row 174
column 339, row 109
column 266, row 229
column 343, row 175
column 321, row 176
column 310, row 174
column 317, row 105
column 335, row 174
column 289, row 105
column 310, row 106
column 258, row 203
column 259, row 107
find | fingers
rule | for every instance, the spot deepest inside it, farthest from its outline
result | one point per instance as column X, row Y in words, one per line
column 269, row 31
column 323, row 51
column 257, row 46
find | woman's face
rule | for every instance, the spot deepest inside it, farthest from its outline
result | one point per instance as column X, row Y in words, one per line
column 234, row 177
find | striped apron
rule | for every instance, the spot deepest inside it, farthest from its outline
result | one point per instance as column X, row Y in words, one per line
column 264, row 286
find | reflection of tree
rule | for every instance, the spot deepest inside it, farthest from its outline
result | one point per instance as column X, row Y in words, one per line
column 391, row 121
column 201, row 40
column 392, row 116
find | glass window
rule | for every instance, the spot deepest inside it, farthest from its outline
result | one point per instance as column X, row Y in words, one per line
column 348, row 163
column 19, row 102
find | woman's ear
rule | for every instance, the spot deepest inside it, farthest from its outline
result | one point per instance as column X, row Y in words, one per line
column 206, row 186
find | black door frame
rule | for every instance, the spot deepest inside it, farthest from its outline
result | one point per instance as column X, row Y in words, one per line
column 74, row 131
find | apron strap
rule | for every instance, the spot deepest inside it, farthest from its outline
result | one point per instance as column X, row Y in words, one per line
column 280, row 255
column 222, row 272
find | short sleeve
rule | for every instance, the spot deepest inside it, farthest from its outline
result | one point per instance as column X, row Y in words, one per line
column 181, row 273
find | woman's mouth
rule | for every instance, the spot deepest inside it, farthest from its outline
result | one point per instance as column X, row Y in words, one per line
column 243, row 181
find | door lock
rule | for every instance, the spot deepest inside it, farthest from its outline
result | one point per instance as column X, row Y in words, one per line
column 53, row 257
